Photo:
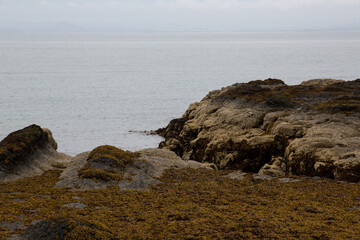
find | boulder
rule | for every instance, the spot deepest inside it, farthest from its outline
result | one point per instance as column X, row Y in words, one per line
column 313, row 127
column 136, row 171
column 106, row 163
column 28, row 152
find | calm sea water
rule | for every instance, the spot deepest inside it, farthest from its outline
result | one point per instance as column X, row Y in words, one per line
column 93, row 89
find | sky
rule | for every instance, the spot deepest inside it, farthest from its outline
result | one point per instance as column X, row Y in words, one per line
column 179, row 15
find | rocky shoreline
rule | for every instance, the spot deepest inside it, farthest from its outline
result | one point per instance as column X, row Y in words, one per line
column 276, row 148
column 267, row 126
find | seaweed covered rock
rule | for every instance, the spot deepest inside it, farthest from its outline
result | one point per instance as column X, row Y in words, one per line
column 27, row 151
column 67, row 228
column 109, row 166
column 20, row 144
column 313, row 126
column 106, row 163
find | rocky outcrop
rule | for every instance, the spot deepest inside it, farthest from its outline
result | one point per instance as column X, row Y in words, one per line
column 106, row 163
column 309, row 129
column 135, row 171
column 28, row 152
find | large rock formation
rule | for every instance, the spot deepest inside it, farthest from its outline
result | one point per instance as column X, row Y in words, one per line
column 28, row 152
column 309, row 129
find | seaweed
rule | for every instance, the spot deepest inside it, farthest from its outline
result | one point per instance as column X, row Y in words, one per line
column 106, row 163
column 189, row 204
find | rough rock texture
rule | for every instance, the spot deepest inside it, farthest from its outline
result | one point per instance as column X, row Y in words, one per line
column 51, row 139
column 314, row 128
column 137, row 175
column 28, row 152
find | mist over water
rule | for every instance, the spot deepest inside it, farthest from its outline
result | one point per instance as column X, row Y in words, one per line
column 92, row 89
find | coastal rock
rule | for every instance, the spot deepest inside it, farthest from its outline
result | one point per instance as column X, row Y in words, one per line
column 106, row 163
column 313, row 127
column 51, row 139
column 28, row 152
column 276, row 168
column 147, row 166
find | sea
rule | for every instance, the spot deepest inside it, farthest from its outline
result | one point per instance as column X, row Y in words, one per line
column 92, row 89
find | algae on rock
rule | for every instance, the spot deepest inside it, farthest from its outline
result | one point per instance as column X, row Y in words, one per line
column 106, row 163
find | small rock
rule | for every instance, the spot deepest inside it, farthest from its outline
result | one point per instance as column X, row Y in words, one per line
column 43, row 195
column 288, row 180
column 355, row 207
column 262, row 177
column 210, row 165
column 226, row 161
column 13, row 225
column 238, row 175
column 77, row 205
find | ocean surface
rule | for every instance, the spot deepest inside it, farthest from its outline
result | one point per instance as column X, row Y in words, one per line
column 106, row 88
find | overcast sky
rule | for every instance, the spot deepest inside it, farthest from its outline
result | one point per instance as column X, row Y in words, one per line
column 213, row 15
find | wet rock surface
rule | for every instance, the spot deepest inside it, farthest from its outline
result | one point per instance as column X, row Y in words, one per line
column 313, row 127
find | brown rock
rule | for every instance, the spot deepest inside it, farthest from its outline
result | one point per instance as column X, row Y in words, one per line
column 51, row 139
column 314, row 126
column 28, row 152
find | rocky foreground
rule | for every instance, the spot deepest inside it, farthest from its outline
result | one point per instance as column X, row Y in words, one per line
column 310, row 129
column 271, row 143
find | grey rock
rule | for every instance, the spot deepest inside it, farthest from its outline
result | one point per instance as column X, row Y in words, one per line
column 103, row 163
column 262, row 177
column 137, row 175
column 238, row 175
column 289, row 180
column 356, row 207
column 13, row 225
column 77, row 205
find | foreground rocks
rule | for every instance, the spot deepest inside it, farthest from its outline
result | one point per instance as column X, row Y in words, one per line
column 32, row 151
column 186, row 204
column 29, row 152
column 183, row 199
column 310, row 129
column 145, row 169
